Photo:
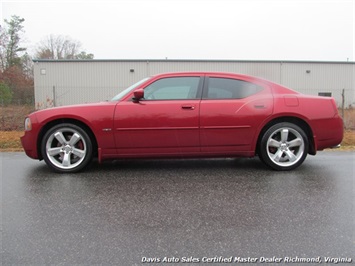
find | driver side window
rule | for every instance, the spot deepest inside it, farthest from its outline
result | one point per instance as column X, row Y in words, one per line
column 178, row 88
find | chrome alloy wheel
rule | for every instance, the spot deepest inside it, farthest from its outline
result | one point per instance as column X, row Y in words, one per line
column 66, row 148
column 285, row 146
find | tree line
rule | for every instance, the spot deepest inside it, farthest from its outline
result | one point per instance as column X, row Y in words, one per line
column 16, row 65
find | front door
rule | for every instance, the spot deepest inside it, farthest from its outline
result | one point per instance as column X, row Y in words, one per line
column 165, row 122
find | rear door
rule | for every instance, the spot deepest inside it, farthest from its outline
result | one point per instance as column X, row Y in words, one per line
column 165, row 122
column 231, row 110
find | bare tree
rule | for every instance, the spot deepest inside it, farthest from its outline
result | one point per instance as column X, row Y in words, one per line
column 3, row 46
column 10, row 39
column 15, row 63
column 60, row 47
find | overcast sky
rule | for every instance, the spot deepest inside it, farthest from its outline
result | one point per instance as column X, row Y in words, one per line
column 195, row 29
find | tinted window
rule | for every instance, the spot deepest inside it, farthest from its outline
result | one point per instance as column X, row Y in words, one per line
column 172, row 89
column 223, row 88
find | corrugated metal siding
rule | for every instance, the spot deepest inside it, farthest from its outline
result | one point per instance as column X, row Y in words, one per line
column 76, row 82
column 98, row 80
column 311, row 79
column 270, row 71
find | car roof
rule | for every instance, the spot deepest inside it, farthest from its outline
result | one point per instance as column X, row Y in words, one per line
column 213, row 73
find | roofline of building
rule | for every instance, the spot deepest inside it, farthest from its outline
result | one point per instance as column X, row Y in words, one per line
column 188, row 60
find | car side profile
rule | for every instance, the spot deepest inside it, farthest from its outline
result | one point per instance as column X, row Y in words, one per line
column 187, row 115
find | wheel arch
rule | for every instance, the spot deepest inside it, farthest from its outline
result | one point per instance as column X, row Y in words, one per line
column 290, row 119
column 76, row 122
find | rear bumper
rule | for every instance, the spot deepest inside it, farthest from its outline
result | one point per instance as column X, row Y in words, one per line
column 329, row 133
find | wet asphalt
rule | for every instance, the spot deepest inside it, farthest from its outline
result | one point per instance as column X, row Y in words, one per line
column 130, row 212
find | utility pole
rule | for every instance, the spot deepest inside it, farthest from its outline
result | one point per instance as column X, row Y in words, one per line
column 342, row 103
column 54, row 104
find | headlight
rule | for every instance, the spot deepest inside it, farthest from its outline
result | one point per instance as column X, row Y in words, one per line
column 28, row 124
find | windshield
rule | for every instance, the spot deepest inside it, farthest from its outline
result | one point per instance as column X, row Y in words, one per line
column 128, row 90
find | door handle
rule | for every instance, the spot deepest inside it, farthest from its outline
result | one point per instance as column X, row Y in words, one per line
column 188, row 107
column 259, row 106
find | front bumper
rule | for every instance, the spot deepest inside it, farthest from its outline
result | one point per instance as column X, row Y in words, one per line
column 29, row 144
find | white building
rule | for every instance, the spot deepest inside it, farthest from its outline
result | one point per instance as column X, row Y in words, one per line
column 64, row 82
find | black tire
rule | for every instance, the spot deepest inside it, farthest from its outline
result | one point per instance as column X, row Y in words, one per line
column 66, row 148
column 284, row 146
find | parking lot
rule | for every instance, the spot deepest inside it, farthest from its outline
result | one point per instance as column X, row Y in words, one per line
column 131, row 212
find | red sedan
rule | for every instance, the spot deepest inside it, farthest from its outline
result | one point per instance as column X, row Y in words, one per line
column 184, row 115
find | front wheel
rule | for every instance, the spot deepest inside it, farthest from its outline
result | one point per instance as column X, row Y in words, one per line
column 283, row 146
column 66, row 148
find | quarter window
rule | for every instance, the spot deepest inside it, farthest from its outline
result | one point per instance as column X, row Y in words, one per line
column 173, row 89
column 224, row 88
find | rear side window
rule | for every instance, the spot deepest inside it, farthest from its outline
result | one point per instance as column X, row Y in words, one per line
column 225, row 88
column 173, row 89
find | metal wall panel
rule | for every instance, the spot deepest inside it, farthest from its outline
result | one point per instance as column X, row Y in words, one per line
column 313, row 78
column 270, row 70
column 83, row 82
column 72, row 82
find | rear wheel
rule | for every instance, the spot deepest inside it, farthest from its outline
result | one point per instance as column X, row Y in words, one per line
column 66, row 148
column 284, row 146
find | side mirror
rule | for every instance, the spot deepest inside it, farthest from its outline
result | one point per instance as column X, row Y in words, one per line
column 138, row 94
